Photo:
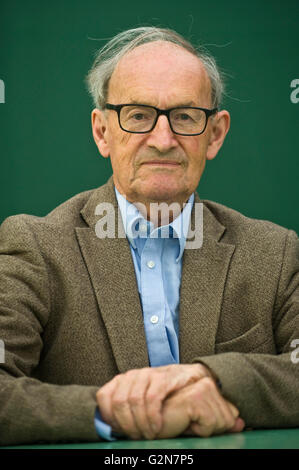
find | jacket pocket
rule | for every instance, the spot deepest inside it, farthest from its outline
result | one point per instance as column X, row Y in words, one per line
column 256, row 339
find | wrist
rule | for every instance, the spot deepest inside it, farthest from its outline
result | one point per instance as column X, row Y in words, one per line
column 206, row 371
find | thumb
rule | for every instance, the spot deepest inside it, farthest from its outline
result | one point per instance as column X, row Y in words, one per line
column 238, row 426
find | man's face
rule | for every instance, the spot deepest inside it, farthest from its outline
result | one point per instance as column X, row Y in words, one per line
column 160, row 165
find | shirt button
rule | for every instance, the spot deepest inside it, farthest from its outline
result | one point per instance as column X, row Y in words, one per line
column 143, row 228
column 150, row 264
column 154, row 319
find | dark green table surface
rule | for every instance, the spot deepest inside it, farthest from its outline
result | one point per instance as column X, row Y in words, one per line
column 261, row 439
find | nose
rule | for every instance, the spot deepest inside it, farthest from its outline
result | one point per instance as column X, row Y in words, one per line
column 162, row 137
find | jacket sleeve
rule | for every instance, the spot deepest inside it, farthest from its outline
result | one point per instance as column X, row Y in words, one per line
column 30, row 410
column 265, row 387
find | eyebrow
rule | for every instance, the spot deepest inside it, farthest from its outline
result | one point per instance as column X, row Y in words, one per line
column 183, row 104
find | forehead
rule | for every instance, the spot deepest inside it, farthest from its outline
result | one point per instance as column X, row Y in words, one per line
column 160, row 72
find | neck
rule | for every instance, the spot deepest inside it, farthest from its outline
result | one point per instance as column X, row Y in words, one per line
column 159, row 212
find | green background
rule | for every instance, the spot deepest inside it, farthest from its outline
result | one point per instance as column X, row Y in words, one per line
column 46, row 147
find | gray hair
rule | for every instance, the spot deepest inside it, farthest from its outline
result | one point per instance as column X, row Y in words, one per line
column 108, row 57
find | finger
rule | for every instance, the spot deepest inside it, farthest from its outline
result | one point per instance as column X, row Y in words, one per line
column 104, row 401
column 166, row 380
column 126, row 421
column 233, row 409
column 189, row 431
column 205, row 412
column 210, row 411
column 138, row 404
column 225, row 413
column 238, row 426
column 230, row 416
column 121, row 404
column 222, row 416
column 155, row 395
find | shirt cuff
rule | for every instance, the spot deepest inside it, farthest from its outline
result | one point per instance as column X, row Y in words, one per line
column 103, row 429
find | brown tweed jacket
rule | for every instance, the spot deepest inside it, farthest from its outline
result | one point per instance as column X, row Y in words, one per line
column 70, row 317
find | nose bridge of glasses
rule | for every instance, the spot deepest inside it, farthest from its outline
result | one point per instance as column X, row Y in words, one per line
column 164, row 114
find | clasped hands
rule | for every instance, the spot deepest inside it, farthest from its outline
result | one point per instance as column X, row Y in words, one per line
column 165, row 402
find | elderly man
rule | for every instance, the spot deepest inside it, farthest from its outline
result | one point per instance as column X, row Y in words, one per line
column 141, row 335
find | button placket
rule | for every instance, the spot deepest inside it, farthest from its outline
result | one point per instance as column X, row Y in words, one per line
column 153, row 299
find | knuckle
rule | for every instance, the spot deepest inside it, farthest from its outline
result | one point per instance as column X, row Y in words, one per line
column 157, row 375
column 130, row 374
column 152, row 398
column 201, row 390
column 197, row 387
column 135, row 400
column 115, row 379
column 197, row 371
column 100, row 394
column 118, row 402
column 207, row 384
column 211, row 421
column 200, row 370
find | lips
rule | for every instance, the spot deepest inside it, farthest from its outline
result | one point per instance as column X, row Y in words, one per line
column 162, row 163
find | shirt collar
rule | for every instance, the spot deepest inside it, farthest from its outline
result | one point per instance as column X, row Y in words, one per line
column 133, row 221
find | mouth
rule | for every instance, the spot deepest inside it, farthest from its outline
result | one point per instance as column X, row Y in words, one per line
column 164, row 163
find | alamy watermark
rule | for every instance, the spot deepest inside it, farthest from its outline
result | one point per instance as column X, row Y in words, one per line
column 161, row 214
column 295, row 354
column 2, row 91
column 2, row 352
column 294, row 97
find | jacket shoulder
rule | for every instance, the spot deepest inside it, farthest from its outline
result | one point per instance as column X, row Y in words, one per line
column 239, row 225
column 66, row 214
column 261, row 238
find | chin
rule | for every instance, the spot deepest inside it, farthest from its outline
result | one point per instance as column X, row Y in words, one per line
column 162, row 189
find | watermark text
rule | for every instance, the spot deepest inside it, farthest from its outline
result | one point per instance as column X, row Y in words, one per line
column 2, row 91
column 155, row 221
column 294, row 97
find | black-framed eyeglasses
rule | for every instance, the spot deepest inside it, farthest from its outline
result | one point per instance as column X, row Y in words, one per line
column 142, row 118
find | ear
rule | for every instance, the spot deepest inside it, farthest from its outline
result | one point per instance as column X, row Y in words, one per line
column 220, row 124
column 100, row 131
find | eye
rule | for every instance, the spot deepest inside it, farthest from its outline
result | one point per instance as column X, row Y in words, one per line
column 183, row 117
column 138, row 116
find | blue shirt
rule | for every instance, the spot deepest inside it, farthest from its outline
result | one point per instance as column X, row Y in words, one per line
column 157, row 256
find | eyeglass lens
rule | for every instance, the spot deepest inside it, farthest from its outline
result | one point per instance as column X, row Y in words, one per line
column 142, row 118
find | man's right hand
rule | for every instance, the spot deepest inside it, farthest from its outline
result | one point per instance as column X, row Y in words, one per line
column 199, row 409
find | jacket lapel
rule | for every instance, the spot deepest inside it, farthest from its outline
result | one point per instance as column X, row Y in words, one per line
column 204, row 274
column 110, row 266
